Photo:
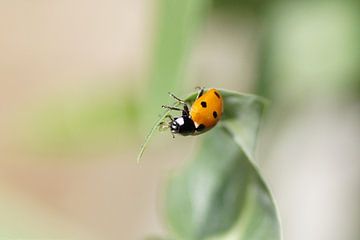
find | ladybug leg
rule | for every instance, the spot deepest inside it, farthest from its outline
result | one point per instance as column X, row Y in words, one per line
column 171, row 108
column 200, row 91
column 186, row 111
column 176, row 98
column 170, row 117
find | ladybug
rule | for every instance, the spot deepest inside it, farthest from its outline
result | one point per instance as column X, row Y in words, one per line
column 203, row 114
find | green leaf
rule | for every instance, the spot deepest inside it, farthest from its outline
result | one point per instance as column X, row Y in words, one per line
column 221, row 194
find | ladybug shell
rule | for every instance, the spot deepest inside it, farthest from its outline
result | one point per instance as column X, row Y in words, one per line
column 207, row 109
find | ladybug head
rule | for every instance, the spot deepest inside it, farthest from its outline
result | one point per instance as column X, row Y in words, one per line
column 183, row 125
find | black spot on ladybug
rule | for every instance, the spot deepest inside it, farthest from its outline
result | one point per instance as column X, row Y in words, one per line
column 215, row 114
column 217, row 94
column 200, row 127
column 203, row 104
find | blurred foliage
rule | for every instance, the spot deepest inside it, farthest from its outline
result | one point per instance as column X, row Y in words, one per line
column 239, row 6
column 221, row 195
column 24, row 218
column 177, row 24
column 63, row 127
column 311, row 48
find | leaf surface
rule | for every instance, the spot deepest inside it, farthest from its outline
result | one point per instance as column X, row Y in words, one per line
column 221, row 194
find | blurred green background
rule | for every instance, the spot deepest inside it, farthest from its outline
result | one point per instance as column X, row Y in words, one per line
column 81, row 83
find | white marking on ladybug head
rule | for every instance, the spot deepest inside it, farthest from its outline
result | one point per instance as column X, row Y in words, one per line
column 180, row 121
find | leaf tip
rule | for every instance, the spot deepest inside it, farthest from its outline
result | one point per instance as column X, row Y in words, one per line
column 142, row 149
